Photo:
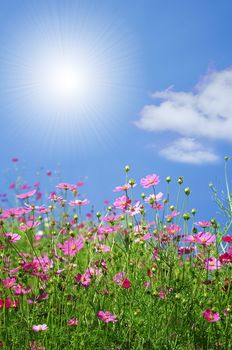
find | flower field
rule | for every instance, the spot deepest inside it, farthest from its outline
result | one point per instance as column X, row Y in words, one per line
column 141, row 274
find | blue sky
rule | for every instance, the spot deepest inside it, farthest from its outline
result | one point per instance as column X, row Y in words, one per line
column 157, row 93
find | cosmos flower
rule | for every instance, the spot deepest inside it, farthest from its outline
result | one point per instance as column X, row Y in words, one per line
column 26, row 195
column 78, row 202
column 150, row 180
column 212, row 264
column 72, row 246
column 40, row 327
column 211, row 316
column 73, row 322
column 12, row 237
column 107, row 317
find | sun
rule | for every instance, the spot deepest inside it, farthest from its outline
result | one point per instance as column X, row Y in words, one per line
column 66, row 75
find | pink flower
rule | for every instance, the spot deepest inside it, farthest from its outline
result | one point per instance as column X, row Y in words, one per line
column 123, row 187
column 205, row 238
column 84, row 279
column 26, row 195
column 80, row 183
column 78, row 202
column 12, row 237
column 173, row 229
column 122, row 202
column 203, row 224
column 66, row 186
column 72, row 246
column 49, row 173
column 43, row 262
column 154, row 198
column 212, row 264
column 134, row 210
column 150, row 180
column 40, row 328
column 173, row 214
column 211, row 316
column 12, row 186
column 103, row 248
column 121, row 280
column 29, row 225
column 9, row 282
column 14, row 160
column 73, row 322
column 107, row 317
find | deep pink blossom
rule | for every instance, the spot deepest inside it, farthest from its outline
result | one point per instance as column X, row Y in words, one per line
column 211, row 316
column 150, row 180
column 227, row 239
column 9, row 282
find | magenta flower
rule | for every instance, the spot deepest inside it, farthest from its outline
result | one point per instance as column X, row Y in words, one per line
column 211, row 316
column 73, row 322
column 150, row 180
column 107, row 317
column 26, row 195
column 84, row 279
column 72, row 246
column 205, row 238
column 227, row 239
column 9, row 282
column 40, row 328
column 212, row 264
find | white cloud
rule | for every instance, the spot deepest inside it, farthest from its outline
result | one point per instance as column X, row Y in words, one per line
column 188, row 150
column 204, row 113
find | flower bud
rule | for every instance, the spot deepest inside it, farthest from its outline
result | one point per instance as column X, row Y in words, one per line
column 168, row 179
column 127, row 168
column 180, row 180
column 186, row 216
column 131, row 182
column 193, row 211
column 187, row 191
column 98, row 215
